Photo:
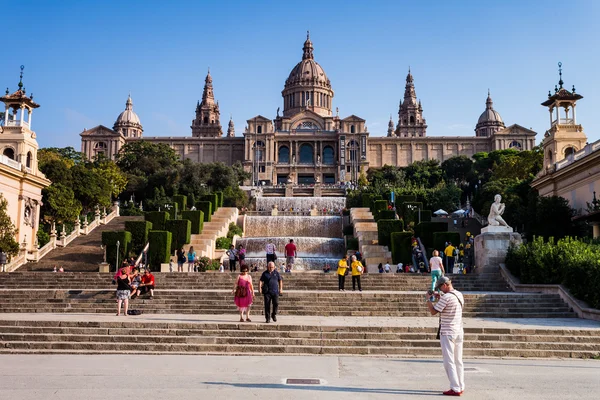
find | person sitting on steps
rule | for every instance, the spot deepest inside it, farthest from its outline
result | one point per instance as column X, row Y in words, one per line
column 147, row 284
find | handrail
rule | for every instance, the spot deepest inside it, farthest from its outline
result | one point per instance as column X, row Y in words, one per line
column 141, row 256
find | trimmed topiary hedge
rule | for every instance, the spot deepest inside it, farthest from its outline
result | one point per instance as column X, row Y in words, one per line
column 400, row 200
column 160, row 248
column 440, row 239
column 385, row 227
column 387, row 214
column 139, row 234
column 181, row 201
column 425, row 231
column 206, row 208
column 110, row 239
column 351, row 243
column 380, row 205
column 191, row 200
column 366, row 200
column 213, row 199
column 219, row 199
column 410, row 212
column 348, row 230
column 197, row 220
column 158, row 219
column 401, row 247
column 181, row 232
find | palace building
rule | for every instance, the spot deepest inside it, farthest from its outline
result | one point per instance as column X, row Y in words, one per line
column 309, row 142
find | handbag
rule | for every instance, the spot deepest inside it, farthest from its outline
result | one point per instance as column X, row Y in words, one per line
column 240, row 291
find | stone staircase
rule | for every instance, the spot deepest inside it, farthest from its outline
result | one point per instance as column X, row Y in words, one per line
column 365, row 229
column 204, row 243
column 83, row 254
column 132, row 337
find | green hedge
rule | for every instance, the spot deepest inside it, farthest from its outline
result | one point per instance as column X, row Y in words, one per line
column 213, row 199
column 425, row 215
column 219, row 199
column 139, row 234
column 110, row 239
column 158, row 219
column 191, row 200
column 348, row 230
column 197, row 220
column 411, row 215
column 379, row 206
column 223, row 243
column 160, row 248
column 440, row 239
column 387, row 214
column 401, row 247
column 374, row 198
column 366, row 200
column 385, row 227
column 425, row 231
column 181, row 232
column 206, row 208
column 351, row 243
column 571, row 262
column 181, row 201
column 405, row 199
column 234, row 230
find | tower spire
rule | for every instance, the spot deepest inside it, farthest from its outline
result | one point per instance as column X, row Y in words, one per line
column 21, row 79
column 560, row 81
column 308, row 48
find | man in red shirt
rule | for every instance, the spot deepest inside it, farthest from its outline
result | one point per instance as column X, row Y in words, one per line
column 290, row 255
column 147, row 284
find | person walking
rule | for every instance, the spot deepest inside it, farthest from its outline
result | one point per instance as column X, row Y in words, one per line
column 437, row 269
column 270, row 249
column 244, row 293
column 450, row 307
column 291, row 253
column 241, row 253
column 271, row 286
column 233, row 255
column 180, row 259
column 341, row 272
column 449, row 253
column 123, row 291
column 357, row 271
column 191, row 257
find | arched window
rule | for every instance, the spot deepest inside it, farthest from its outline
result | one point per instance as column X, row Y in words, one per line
column 259, row 129
column 353, row 150
column 10, row 153
column 283, row 156
column 206, row 120
column 259, row 150
column 306, row 154
column 569, row 151
column 328, row 155
column 412, row 120
column 550, row 156
column 352, row 129
column 29, row 160
column 515, row 145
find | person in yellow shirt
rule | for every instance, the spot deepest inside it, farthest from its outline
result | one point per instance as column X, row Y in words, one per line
column 449, row 253
column 357, row 271
column 341, row 271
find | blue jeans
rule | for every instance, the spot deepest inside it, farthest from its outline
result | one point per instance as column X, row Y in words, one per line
column 435, row 275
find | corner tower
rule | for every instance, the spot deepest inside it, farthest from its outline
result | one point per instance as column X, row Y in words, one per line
column 208, row 116
column 128, row 123
column 410, row 113
column 307, row 87
column 565, row 136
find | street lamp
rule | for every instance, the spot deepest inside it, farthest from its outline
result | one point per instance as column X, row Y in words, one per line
column 412, row 208
column 117, row 259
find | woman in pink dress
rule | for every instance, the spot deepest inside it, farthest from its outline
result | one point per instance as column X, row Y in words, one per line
column 244, row 293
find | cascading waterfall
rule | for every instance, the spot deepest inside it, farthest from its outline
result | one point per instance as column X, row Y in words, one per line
column 300, row 203
column 318, row 239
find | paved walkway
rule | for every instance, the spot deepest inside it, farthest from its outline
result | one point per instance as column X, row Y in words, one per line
column 507, row 323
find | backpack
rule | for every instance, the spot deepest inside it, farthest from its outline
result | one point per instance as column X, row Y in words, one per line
column 134, row 312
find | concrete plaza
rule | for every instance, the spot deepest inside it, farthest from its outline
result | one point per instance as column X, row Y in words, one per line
column 232, row 377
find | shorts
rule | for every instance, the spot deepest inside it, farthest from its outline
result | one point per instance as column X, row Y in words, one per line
column 146, row 289
column 290, row 260
column 122, row 294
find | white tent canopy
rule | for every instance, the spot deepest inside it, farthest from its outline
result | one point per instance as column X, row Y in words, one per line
column 440, row 212
column 459, row 212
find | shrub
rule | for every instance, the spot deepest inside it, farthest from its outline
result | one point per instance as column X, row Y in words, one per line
column 181, row 201
column 400, row 200
column 197, row 220
column 130, row 210
column 219, row 199
column 213, row 199
column 379, row 206
column 401, row 247
column 206, row 208
column 410, row 211
column 425, row 231
column 366, row 200
column 206, row 264
column 348, row 230
column 351, row 243
column 571, row 262
column 234, row 230
column 139, row 234
column 110, row 239
column 440, row 239
column 374, row 198
column 387, row 214
column 181, row 232
column 385, row 227
column 43, row 237
column 191, row 199
column 158, row 219
column 160, row 248
column 223, row 243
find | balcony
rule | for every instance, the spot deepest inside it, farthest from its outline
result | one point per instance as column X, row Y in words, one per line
column 12, row 122
column 10, row 162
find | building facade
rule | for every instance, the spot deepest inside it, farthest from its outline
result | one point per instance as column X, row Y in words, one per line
column 309, row 142
column 21, row 182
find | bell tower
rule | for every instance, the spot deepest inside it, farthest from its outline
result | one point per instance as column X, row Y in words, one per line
column 208, row 116
column 410, row 113
column 565, row 136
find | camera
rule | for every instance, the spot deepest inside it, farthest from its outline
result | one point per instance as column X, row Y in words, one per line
column 430, row 292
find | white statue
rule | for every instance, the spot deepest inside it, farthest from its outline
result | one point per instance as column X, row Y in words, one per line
column 496, row 210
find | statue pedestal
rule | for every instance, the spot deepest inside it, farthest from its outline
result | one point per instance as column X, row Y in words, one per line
column 491, row 247
column 104, row 267
column 289, row 190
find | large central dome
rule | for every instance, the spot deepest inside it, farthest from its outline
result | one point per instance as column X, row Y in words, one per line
column 307, row 86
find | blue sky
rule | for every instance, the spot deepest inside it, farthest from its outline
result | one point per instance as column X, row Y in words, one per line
column 82, row 58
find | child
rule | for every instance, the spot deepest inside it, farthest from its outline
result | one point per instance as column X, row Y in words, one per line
column 221, row 267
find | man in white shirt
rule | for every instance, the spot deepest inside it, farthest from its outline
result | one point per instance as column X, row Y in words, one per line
column 270, row 250
column 450, row 306
column 386, row 268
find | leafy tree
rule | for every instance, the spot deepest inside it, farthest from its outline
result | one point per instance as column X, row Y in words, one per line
column 426, row 173
column 92, row 188
column 60, row 204
column 115, row 177
column 8, row 244
column 55, row 167
column 552, row 218
column 362, row 178
column 458, row 169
